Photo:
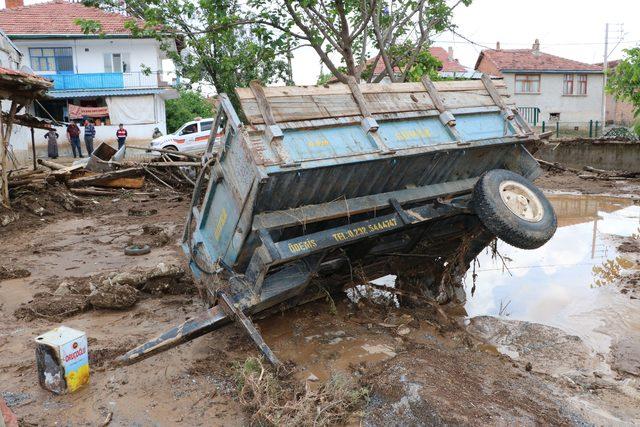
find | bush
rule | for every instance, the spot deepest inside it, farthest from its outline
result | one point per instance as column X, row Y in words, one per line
column 187, row 107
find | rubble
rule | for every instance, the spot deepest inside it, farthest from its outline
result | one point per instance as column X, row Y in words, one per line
column 117, row 290
column 7, row 273
column 111, row 295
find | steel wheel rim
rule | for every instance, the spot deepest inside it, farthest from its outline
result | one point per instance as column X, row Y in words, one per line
column 521, row 201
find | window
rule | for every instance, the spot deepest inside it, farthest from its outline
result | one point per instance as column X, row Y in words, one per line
column 527, row 83
column 192, row 128
column 53, row 59
column 567, row 86
column 205, row 126
column 116, row 63
column 582, row 84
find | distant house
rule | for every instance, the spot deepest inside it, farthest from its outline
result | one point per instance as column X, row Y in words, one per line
column 111, row 78
column 547, row 87
column 450, row 66
column 618, row 112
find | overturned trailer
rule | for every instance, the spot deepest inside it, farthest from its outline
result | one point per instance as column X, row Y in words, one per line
column 318, row 183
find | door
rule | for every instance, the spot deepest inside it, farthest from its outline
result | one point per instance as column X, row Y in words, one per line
column 204, row 129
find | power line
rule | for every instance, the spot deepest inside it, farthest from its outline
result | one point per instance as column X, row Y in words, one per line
column 485, row 45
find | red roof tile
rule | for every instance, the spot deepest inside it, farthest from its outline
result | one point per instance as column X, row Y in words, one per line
column 528, row 59
column 58, row 17
column 448, row 65
column 438, row 52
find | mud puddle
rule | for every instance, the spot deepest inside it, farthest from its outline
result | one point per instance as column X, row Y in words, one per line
column 567, row 283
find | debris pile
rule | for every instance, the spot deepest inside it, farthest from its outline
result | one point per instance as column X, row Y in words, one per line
column 280, row 401
column 589, row 172
column 114, row 291
column 52, row 184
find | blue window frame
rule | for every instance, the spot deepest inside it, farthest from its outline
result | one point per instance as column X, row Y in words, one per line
column 52, row 59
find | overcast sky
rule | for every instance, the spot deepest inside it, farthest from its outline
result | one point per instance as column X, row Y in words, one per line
column 570, row 28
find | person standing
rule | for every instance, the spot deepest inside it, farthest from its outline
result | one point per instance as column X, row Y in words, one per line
column 156, row 133
column 52, row 143
column 89, row 134
column 121, row 134
column 73, row 136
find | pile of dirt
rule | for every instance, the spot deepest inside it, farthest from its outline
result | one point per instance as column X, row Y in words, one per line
column 114, row 291
column 152, row 235
column 7, row 273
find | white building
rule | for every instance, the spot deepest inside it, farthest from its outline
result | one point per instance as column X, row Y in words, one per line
column 547, row 87
column 110, row 77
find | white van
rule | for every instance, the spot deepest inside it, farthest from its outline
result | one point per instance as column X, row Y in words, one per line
column 191, row 137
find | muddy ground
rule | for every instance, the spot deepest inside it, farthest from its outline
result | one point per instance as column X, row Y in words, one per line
column 415, row 366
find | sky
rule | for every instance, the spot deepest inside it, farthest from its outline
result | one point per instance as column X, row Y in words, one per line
column 572, row 29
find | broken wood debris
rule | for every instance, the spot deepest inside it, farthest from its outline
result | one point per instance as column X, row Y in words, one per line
column 589, row 172
column 170, row 169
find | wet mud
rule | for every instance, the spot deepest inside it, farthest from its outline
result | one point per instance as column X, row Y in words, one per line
column 546, row 336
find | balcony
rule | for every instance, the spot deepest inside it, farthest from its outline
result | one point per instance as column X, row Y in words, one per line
column 89, row 81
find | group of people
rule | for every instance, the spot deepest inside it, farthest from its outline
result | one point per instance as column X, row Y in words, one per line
column 73, row 136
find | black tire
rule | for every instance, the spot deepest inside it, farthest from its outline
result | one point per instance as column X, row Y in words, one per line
column 135, row 250
column 500, row 220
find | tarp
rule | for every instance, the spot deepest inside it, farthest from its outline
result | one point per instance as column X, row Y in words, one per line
column 78, row 112
column 131, row 109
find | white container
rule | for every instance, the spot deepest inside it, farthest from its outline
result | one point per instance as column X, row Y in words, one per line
column 62, row 359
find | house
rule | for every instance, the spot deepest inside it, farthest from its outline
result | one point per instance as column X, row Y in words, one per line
column 450, row 66
column 10, row 55
column 618, row 112
column 110, row 77
column 547, row 87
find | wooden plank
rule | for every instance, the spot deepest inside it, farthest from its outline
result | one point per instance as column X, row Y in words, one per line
column 263, row 104
column 365, row 88
column 493, row 92
column 434, row 94
column 357, row 95
column 129, row 183
column 315, row 105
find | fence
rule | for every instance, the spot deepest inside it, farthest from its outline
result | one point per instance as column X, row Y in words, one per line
column 590, row 129
column 530, row 114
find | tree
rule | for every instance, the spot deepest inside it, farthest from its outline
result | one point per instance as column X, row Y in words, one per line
column 624, row 82
column 188, row 106
column 217, row 45
column 231, row 42
column 394, row 32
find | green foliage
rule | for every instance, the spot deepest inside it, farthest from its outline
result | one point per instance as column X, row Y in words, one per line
column 425, row 65
column 218, row 44
column 624, row 81
column 188, row 106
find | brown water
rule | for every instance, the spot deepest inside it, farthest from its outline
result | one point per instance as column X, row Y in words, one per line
column 556, row 284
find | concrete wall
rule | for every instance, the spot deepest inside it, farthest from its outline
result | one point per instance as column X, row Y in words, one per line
column 619, row 112
column 572, row 108
column 611, row 155
column 88, row 53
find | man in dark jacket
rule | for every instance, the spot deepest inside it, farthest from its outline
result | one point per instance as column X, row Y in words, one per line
column 89, row 134
column 73, row 136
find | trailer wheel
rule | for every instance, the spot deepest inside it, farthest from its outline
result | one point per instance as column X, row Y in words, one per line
column 514, row 209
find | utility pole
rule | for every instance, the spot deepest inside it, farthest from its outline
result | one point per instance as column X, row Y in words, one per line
column 604, row 79
column 605, row 65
